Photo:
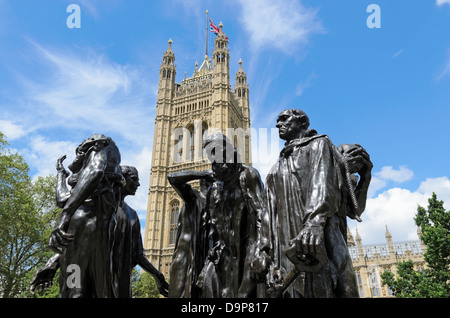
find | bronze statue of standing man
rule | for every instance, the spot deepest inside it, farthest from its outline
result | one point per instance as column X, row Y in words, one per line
column 307, row 201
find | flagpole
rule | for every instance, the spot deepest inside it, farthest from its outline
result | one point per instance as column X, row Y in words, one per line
column 206, row 31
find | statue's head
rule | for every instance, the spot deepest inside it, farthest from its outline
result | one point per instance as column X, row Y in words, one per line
column 224, row 157
column 291, row 123
column 131, row 176
column 83, row 148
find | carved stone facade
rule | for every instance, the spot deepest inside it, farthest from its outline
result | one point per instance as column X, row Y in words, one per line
column 370, row 261
column 186, row 113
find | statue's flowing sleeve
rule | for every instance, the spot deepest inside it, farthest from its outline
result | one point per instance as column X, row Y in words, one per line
column 323, row 197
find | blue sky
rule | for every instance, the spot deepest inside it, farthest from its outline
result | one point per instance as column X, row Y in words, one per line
column 386, row 88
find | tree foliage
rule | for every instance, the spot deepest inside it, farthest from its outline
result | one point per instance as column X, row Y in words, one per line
column 27, row 215
column 144, row 285
column 433, row 281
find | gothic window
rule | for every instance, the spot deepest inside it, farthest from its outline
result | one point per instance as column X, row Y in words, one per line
column 239, row 92
column 191, row 143
column 175, row 210
column 359, row 282
column 374, row 284
column 204, row 136
column 179, row 149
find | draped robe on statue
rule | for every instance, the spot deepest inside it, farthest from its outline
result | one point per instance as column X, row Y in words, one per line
column 305, row 188
column 234, row 212
column 190, row 247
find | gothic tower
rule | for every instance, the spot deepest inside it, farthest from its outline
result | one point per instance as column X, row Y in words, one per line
column 186, row 113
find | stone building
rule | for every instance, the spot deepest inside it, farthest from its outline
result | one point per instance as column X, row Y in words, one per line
column 186, row 113
column 370, row 261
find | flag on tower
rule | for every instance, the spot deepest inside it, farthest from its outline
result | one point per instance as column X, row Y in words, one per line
column 215, row 29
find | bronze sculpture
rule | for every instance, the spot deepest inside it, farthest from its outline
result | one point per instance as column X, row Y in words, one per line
column 81, row 234
column 191, row 246
column 97, row 231
column 235, row 237
column 307, row 199
column 231, row 209
column 127, row 248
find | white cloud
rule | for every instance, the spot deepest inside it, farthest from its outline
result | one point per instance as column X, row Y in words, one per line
column 398, row 175
column 396, row 208
column 281, row 24
column 11, row 130
column 89, row 92
column 440, row 186
column 381, row 178
column 81, row 93
column 42, row 154
column 376, row 184
column 442, row 2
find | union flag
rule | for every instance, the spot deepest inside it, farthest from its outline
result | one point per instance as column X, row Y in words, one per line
column 215, row 29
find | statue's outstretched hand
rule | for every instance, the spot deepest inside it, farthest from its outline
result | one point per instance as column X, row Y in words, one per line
column 43, row 279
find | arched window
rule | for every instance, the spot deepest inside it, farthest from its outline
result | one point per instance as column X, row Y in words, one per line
column 204, row 136
column 178, row 148
column 175, row 211
column 190, row 142
column 360, row 285
column 374, row 284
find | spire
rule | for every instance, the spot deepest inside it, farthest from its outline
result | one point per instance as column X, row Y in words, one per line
column 388, row 234
column 167, row 73
column 169, row 49
column 358, row 237
column 240, row 66
column 350, row 240
column 241, row 88
column 359, row 245
column 389, row 241
column 221, row 36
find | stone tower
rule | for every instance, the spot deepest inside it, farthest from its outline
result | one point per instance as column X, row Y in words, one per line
column 186, row 113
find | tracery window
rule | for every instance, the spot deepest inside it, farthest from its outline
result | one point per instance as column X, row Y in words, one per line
column 175, row 210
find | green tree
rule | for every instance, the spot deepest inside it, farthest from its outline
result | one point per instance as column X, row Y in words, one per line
column 433, row 281
column 27, row 215
column 143, row 285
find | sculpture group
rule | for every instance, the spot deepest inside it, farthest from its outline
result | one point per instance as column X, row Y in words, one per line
column 237, row 237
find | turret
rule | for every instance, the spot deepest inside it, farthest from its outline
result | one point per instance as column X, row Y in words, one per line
column 221, row 58
column 241, row 91
column 350, row 240
column 167, row 74
column 359, row 244
column 389, row 241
